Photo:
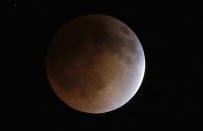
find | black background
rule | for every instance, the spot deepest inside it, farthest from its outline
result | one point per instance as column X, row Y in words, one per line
column 169, row 96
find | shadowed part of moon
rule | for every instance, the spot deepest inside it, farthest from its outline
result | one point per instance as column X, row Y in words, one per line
column 95, row 64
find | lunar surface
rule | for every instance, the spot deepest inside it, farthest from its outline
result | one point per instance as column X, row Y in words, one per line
column 95, row 64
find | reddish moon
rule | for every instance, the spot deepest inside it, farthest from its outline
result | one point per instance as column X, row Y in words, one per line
column 95, row 64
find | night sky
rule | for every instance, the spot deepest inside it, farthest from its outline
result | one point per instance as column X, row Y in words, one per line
column 169, row 96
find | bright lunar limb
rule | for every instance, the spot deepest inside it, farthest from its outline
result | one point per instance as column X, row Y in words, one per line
column 95, row 64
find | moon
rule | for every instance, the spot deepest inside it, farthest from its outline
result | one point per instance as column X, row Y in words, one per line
column 95, row 64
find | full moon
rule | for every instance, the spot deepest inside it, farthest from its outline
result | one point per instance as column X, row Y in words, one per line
column 95, row 64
